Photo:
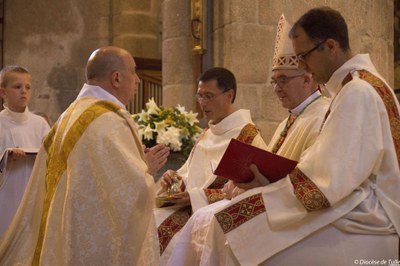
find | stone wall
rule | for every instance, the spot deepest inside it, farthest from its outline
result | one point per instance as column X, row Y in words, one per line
column 243, row 35
column 54, row 39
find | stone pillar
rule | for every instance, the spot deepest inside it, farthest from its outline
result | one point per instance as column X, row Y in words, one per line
column 136, row 26
column 178, row 61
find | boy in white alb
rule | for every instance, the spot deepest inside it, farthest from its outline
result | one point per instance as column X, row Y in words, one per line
column 21, row 131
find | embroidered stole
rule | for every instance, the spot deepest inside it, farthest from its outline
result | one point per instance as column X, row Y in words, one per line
column 170, row 226
column 305, row 190
column 390, row 104
column 214, row 191
column 58, row 150
column 284, row 132
column 290, row 121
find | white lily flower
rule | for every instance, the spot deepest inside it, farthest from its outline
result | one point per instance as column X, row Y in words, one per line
column 185, row 132
column 148, row 133
column 143, row 116
column 160, row 126
column 192, row 118
column 181, row 109
column 152, row 107
column 170, row 137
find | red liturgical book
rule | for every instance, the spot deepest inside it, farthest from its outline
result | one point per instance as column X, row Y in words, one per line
column 237, row 158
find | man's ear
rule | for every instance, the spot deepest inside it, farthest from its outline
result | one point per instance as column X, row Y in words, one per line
column 230, row 93
column 332, row 45
column 2, row 93
column 115, row 79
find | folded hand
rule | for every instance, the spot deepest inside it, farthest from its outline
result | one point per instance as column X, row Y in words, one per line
column 156, row 157
column 258, row 181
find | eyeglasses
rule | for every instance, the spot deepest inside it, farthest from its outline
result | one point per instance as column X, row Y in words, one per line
column 303, row 56
column 207, row 96
column 281, row 81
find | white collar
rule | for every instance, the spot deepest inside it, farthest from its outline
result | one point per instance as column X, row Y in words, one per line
column 16, row 116
column 233, row 120
column 298, row 109
column 357, row 62
column 98, row 92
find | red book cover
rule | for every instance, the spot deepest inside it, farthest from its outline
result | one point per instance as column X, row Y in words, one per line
column 237, row 158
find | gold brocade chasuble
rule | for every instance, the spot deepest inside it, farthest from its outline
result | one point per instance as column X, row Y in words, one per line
column 58, row 147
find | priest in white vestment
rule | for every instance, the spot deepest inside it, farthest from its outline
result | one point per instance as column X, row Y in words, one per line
column 341, row 205
column 216, row 94
column 90, row 199
column 21, row 132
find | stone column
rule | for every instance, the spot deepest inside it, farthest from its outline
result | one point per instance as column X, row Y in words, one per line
column 179, row 64
column 136, row 26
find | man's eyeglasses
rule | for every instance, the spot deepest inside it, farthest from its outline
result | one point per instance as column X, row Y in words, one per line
column 207, row 96
column 303, row 56
column 281, row 81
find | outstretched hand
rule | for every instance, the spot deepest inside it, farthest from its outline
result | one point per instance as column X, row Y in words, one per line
column 258, row 181
column 168, row 178
column 156, row 157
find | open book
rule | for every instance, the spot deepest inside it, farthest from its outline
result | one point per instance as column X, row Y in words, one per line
column 6, row 154
column 237, row 158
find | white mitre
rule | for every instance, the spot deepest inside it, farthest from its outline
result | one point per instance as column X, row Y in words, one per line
column 284, row 56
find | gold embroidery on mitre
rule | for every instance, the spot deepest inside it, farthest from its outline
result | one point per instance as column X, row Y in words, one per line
column 284, row 55
column 58, row 153
column 240, row 212
column 307, row 192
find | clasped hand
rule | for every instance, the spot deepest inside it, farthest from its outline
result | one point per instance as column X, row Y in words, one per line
column 156, row 157
column 233, row 189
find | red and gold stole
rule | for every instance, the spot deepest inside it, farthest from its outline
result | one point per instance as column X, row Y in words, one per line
column 214, row 191
column 58, row 149
column 390, row 104
column 305, row 190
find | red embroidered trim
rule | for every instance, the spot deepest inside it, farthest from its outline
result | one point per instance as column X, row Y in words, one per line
column 214, row 195
column 390, row 104
column 307, row 192
column 170, row 226
column 246, row 135
column 239, row 213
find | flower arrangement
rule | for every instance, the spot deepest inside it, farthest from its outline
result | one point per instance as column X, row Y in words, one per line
column 174, row 127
